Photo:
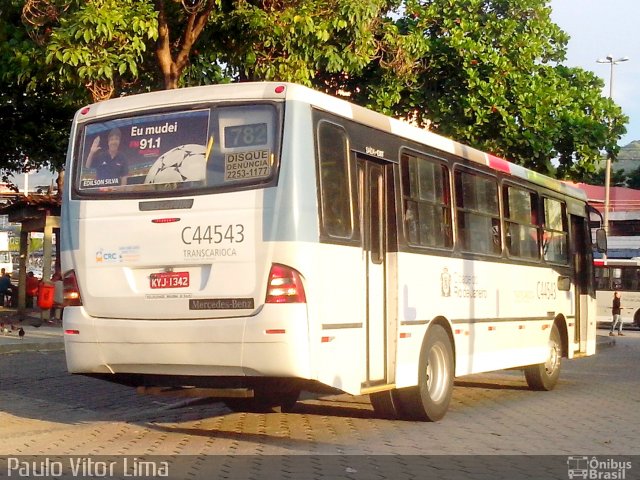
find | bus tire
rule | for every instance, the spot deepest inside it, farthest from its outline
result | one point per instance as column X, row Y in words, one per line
column 386, row 404
column 544, row 376
column 636, row 319
column 429, row 400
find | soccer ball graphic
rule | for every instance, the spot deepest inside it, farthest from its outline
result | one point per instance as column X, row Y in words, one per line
column 186, row 163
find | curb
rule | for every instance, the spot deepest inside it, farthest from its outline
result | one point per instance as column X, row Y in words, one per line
column 31, row 347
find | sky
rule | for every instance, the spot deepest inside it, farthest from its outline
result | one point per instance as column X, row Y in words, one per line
column 597, row 28
column 35, row 179
column 606, row 27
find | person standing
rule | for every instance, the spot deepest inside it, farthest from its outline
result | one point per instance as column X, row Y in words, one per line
column 5, row 288
column 110, row 163
column 615, row 312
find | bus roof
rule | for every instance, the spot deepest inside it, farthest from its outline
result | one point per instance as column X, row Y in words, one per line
column 337, row 106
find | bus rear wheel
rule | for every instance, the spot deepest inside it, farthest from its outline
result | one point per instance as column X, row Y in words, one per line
column 429, row 400
column 386, row 404
column 544, row 376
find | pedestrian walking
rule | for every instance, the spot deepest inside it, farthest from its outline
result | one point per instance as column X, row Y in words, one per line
column 616, row 318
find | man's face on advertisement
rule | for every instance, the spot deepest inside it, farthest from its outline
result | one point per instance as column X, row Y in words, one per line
column 114, row 143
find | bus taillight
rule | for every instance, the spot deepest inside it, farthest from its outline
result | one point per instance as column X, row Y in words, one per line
column 285, row 285
column 71, row 292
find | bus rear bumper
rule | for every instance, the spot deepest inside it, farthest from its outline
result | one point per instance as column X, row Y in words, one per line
column 273, row 343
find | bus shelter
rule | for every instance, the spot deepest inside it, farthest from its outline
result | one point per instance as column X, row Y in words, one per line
column 35, row 213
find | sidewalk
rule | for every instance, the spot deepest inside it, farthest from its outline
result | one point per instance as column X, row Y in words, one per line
column 46, row 337
column 49, row 336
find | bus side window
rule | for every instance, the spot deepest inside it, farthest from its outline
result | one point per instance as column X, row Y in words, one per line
column 602, row 278
column 335, row 191
column 521, row 223
column 629, row 278
column 426, row 201
column 478, row 220
column 555, row 231
column 616, row 278
column 411, row 221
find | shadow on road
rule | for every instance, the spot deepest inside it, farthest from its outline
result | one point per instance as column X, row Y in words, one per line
column 489, row 385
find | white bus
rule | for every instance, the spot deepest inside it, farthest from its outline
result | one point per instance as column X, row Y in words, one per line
column 622, row 275
column 253, row 240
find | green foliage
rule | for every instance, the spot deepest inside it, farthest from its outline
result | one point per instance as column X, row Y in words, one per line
column 36, row 126
column 14, row 42
column 490, row 76
column 294, row 40
column 48, row 64
column 625, row 168
column 34, row 116
column 96, row 45
column 633, row 179
column 618, row 178
column 100, row 41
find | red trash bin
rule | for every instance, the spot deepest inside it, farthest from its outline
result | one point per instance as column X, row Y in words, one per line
column 45, row 295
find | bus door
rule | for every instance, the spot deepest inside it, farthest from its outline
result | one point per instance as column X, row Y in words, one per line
column 373, row 222
column 583, row 274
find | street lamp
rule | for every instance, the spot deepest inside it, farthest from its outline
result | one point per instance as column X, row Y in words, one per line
column 607, row 173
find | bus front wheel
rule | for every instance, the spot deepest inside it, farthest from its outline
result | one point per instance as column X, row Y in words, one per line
column 429, row 400
column 544, row 376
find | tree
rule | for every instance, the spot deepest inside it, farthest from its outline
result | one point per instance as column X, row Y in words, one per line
column 299, row 40
column 174, row 56
column 111, row 47
column 633, row 179
column 57, row 55
column 98, row 44
column 490, row 76
column 29, row 142
column 618, row 178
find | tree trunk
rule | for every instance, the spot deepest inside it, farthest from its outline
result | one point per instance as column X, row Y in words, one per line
column 171, row 68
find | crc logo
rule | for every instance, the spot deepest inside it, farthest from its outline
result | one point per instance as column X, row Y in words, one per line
column 108, row 256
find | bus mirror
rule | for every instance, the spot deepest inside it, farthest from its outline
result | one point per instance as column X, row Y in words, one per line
column 601, row 240
column 564, row 284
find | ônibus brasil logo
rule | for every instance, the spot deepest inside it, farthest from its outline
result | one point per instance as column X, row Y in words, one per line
column 597, row 469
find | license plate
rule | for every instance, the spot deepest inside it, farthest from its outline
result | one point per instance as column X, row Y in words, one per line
column 170, row 280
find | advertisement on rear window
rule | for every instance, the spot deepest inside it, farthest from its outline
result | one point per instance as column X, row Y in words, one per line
column 155, row 149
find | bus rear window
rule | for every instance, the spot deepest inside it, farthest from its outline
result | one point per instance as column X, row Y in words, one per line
column 179, row 151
